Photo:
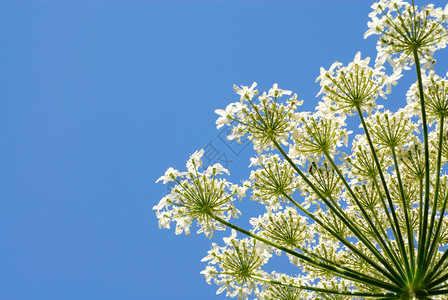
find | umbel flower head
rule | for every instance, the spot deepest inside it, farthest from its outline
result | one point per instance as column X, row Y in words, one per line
column 198, row 196
column 367, row 224
column 263, row 121
column 289, row 289
column 286, row 227
column 405, row 29
column 318, row 134
column 356, row 86
column 435, row 90
column 236, row 265
column 271, row 181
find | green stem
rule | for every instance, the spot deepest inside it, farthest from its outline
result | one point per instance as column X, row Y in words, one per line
column 438, row 292
column 434, row 207
column 435, row 271
column 338, row 265
column 386, row 238
column 420, row 206
column 364, row 213
column 410, row 232
column 336, row 270
column 334, row 234
column 399, row 238
column 341, row 215
column 422, row 235
column 377, row 187
column 323, row 290
column 437, row 281
column 389, row 220
column 439, row 288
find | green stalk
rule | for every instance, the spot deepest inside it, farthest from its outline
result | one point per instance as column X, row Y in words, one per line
column 399, row 238
column 329, row 261
column 435, row 271
column 366, row 216
column 422, row 235
column 437, row 281
column 420, row 205
column 386, row 238
column 326, row 291
column 344, row 219
column 341, row 239
column 386, row 210
column 440, row 287
column 388, row 217
column 438, row 292
column 433, row 247
column 410, row 233
column 342, row 273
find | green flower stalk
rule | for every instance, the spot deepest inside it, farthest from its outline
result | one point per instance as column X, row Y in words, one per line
column 367, row 224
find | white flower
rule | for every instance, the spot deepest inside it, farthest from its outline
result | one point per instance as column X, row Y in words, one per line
column 162, row 204
column 170, row 175
column 195, row 160
column 246, row 92
column 228, row 240
column 256, row 161
column 209, row 273
column 276, row 92
column 272, row 181
column 227, row 114
column 216, row 169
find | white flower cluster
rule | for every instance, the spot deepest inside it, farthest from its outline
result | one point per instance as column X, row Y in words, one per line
column 391, row 130
column 286, row 289
column 405, row 28
column 286, row 228
column 263, row 121
column 318, row 134
column 273, row 180
column 435, row 90
column 236, row 265
column 355, row 86
column 198, row 196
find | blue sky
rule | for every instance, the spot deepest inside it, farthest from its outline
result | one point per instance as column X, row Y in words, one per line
column 98, row 99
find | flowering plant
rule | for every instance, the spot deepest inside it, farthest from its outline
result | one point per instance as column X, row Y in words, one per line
column 371, row 223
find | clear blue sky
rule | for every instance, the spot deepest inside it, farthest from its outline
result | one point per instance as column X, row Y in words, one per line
column 98, row 99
